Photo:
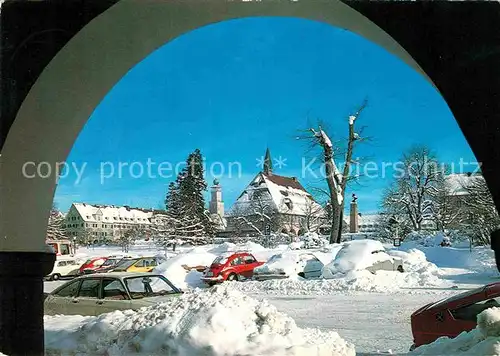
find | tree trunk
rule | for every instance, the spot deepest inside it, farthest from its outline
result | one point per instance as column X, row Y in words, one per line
column 336, row 216
column 339, row 235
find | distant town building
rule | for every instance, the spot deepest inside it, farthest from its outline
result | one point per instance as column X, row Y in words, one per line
column 105, row 222
column 457, row 190
column 273, row 203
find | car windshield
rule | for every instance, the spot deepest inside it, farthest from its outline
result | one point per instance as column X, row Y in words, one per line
column 149, row 286
column 220, row 260
column 125, row 264
column 457, row 297
column 110, row 262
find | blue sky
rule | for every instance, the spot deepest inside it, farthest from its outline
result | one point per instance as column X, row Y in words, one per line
column 234, row 88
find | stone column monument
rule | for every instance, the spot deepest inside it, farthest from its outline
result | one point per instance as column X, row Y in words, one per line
column 354, row 216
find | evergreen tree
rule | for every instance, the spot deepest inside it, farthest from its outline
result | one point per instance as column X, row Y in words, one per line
column 185, row 202
column 54, row 225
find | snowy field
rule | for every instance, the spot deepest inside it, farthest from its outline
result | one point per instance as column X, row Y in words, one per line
column 361, row 311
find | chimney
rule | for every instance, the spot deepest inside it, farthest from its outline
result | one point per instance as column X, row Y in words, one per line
column 354, row 216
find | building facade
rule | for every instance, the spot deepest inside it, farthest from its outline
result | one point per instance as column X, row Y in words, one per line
column 273, row 203
column 97, row 223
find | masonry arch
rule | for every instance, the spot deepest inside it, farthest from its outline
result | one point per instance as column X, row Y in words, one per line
column 92, row 62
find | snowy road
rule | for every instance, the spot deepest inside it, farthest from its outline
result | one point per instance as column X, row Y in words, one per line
column 373, row 322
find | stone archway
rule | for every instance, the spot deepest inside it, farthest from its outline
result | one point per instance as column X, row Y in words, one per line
column 63, row 98
column 73, row 84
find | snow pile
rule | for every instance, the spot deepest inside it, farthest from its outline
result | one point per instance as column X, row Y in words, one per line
column 483, row 340
column 174, row 268
column 354, row 281
column 285, row 262
column 434, row 240
column 312, row 239
column 230, row 247
column 213, row 322
column 419, row 273
column 356, row 255
column 258, row 251
column 289, row 263
column 414, row 260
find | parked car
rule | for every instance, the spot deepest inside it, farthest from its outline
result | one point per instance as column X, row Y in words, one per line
column 231, row 267
column 452, row 316
column 64, row 267
column 102, row 293
column 139, row 264
column 287, row 264
column 92, row 264
column 108, row 265
column 365, row 254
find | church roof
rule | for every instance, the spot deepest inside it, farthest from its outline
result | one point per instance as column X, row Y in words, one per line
column 285, row 194
column 287, row 182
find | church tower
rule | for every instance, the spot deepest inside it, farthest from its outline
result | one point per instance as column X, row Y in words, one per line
column 216, row 205
column 268, row 163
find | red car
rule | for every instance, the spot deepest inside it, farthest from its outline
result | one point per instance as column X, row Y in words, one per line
column 92, row 264
column 235, row 267
column 452, row 316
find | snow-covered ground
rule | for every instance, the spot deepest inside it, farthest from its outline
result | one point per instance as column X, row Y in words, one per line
column 218, row 321
column 371, row 311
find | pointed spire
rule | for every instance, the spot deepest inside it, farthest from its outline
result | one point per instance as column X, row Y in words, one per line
column 268, row 163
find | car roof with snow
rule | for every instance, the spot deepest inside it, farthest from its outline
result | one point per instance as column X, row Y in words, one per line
column 359, row 254
column 119, row 275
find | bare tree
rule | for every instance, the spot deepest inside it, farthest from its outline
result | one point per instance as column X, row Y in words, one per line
column 411, row 193
column 128, row 236
column 447, row 211
column 336, row 180
column 84, row 238
column 313, row 215
column 481, row 217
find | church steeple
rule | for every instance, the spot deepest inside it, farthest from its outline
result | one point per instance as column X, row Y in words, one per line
column 268, row 163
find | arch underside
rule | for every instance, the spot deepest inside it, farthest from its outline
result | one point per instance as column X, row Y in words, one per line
column 92, row 62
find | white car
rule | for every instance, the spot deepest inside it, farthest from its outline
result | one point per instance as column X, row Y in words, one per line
column 96, row 294
column 362, row 255
column 64, row 267
column 288, row 264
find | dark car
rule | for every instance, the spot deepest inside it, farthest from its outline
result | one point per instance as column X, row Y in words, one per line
column 452, row 316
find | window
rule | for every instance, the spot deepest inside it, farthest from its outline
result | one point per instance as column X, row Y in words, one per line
column 471, row 311
column 147, row 262
column 236, row 261
column 69, row 290
column 220, row 260
column 140, row 287
column 65, row 249
column 89, row 288
column 114, row 289
column 83, row 224
column 249, row 259
column 61, row 263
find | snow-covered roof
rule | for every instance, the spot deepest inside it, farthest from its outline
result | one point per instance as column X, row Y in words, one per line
column 457, row 183
column 283, row 193
column 113, row 214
